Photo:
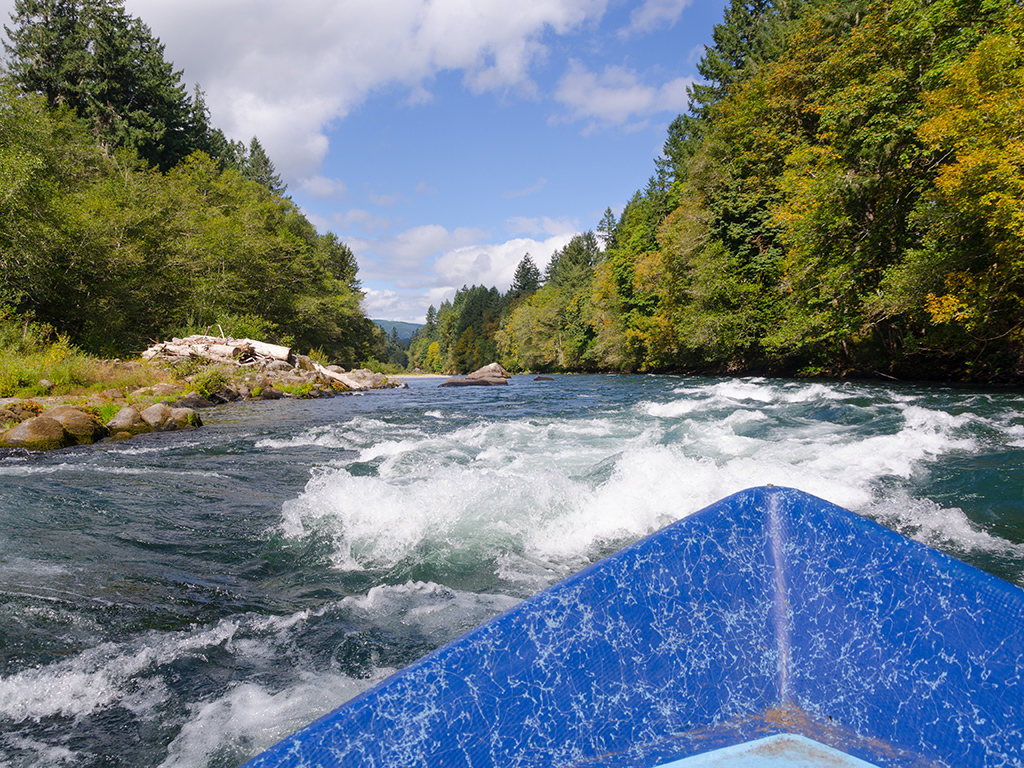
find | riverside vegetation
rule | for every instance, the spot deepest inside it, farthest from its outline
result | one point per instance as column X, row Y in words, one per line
column 844, row 196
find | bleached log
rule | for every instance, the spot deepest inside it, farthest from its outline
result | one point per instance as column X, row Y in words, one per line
column 263, row 349
column 226, row 351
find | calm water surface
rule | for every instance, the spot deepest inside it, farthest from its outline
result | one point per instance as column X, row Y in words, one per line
column 188, row 599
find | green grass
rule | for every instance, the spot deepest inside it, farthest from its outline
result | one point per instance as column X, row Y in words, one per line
column 31, row 351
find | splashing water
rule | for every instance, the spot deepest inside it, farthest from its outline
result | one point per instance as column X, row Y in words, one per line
column 205, row 594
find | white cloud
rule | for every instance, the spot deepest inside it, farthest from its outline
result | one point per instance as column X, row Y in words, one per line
column 285, row 70
column 543, row 225
column 617, row 95
column 366, row 222
column 495, row 264
column 655, row 14
column 406, row 257
column 426, row 265
column 322, row 187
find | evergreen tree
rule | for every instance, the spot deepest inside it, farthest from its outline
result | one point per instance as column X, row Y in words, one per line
column 526, row 279
column 259, row 168
column 573, row 266
column 95, row 58
column 606, row 229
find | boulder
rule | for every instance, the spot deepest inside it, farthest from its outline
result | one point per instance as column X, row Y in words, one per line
column 112, row 394
column 490, row 371
column 156, row 416
column 128, row 421
column 7, row 418
column 183, row 418
column 193, row 400
column 222, row 396
column 277, row 366
column 488, row 376
column 467, row 382
column 40, row 433
column 83, row 428
column 23, row 411
column 542, row 378
column 163, row 389
column 362, row 378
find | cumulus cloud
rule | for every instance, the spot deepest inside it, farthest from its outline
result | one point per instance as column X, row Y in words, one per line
column 322, row 187
column 284, row 70
column 432, row 256
column 444, row 266
column 617, row 95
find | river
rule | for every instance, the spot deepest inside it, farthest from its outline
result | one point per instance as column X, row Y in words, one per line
column 187, row 599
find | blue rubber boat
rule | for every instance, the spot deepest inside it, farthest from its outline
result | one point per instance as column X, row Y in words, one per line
column 769, row 629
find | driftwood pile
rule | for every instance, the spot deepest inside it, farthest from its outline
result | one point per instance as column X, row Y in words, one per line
column 264, row 358
column 220, row 349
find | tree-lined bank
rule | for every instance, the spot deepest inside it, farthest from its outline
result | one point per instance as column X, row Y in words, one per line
column 844, row 197
column 126, row 217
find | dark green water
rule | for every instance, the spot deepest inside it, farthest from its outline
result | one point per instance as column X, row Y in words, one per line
column 187, row 599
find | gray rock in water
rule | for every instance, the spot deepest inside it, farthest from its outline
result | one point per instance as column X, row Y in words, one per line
column 84, row 428
column 488, row 376
column 493, row 370
column 128, row 421
column 472, row 383
column 363, row 378
column 40, row 433
column 156, row 416
column 183, row 418
column 193, row 400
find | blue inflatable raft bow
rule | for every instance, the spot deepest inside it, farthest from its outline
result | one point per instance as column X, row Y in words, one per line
column 769, row 629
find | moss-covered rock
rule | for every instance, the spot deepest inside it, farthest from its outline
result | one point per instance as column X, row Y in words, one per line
column 83, row 428
column 40, row 433
column 128, row 421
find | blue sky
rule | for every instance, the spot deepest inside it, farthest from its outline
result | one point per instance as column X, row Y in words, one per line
column 443, row 139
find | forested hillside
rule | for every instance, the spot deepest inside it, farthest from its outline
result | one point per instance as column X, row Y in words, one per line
column 125, row 216
column 845, row 196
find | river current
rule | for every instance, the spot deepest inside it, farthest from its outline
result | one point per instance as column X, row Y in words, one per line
column 187, row 599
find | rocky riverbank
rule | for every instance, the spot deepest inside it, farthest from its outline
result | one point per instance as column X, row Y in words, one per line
column 206, row 372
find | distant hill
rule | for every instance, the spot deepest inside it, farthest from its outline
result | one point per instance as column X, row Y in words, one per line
column 405, row 330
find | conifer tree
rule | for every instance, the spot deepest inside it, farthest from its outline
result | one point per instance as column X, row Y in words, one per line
column 526, row 279
column 94, row 57
column 259, row 168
